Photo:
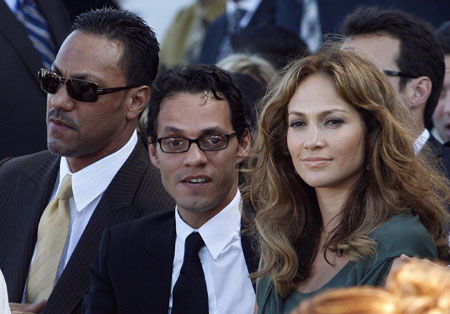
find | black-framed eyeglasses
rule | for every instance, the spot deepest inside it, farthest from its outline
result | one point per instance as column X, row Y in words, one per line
column 401, row 74
column 76, row 88
column 178, row 144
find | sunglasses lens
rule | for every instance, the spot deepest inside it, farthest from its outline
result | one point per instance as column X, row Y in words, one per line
column 49, row 81
column 82, row 90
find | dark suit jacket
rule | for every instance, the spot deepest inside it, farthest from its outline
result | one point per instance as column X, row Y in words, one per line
column 26, row 184
column 441, row 152
column 216, row 32
column 23, row 104
column 133, row 271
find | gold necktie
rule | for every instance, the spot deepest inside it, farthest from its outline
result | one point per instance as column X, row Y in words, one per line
column 51, row 239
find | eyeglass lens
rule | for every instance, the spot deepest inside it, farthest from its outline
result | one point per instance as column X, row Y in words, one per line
column 77, row 89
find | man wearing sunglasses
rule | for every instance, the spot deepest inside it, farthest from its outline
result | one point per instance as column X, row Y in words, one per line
column 408, row 51
column 196, row 259
column 55, row 204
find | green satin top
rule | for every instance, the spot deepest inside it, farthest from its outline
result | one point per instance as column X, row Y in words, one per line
column 402, row 234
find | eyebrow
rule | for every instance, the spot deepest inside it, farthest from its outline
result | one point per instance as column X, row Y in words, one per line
column 207, row 131
column 81, row 76
column 323, row 113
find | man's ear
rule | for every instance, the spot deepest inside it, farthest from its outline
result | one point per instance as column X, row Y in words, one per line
column 139, row 99
column 153, row 154
column 244, row 147
column 419, row 91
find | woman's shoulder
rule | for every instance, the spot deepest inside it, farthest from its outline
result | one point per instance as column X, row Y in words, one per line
column 404, row 234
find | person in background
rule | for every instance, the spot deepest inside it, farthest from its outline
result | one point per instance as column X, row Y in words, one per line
column 257, row 67
column 183, row 40
column 23, row 52
column 338, row 191
column 441, row 116
column 407, row 50
column 194, row 259
column 273, row 43
column 239, row 15
column 55, row 204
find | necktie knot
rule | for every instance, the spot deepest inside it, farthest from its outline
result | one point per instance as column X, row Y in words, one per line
column 65, row 190
column 193, row 244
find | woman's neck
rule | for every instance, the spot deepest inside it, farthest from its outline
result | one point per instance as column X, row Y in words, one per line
column 331, row 202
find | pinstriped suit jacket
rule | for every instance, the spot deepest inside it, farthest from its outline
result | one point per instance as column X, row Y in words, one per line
column 26, row 184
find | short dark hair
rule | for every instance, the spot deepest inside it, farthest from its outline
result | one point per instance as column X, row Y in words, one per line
column 140, row 58
column 196, row 78
column 443, row 34
column 420, row 51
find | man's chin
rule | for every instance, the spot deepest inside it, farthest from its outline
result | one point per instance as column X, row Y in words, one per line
column 60, row 149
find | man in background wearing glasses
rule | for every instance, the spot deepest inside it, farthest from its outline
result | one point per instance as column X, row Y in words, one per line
column 193, row 260
column 408, row 51
column 55, row 204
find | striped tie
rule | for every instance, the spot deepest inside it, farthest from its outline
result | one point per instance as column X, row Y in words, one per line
column 28, row 13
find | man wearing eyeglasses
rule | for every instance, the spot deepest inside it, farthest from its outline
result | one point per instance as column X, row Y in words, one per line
column 196, row 259
column 55, row 204
column 408, row 51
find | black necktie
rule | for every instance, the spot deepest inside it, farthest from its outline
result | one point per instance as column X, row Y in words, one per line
column 189, row 293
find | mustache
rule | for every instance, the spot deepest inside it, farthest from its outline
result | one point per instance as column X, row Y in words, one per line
column 62, row 115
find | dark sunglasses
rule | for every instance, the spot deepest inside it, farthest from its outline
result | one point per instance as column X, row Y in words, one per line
column 77, row 89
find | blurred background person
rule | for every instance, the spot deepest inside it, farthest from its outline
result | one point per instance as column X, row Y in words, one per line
column 441, row 116
column 240, row 14
column 183, row 40
column 338, row 190
column 251, row 74
column 272, row 43
column 407, row 50
column 30, row 34
column 257, row 67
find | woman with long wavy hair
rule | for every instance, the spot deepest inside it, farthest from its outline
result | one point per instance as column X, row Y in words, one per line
column 338, row 190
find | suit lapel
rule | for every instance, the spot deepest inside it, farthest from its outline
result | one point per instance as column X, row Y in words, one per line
column 154, row 268
column 34, row 187
column 115, row 206
column 435, row 146
column 248, row 241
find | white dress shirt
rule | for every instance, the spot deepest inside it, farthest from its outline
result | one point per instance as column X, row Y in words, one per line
column 226, row 274
column 421, row 140
column 88, row 186
column 249, row 5
column 4, row 304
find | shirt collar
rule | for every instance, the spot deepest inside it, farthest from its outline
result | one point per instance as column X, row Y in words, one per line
column 91, row 181
column 217, row 232
column 421, row 140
